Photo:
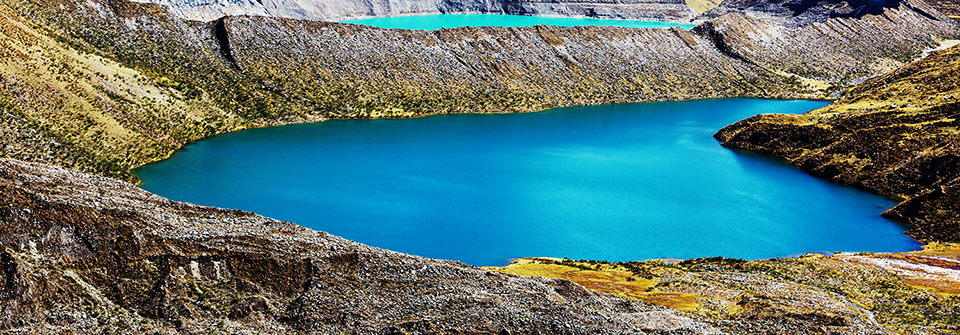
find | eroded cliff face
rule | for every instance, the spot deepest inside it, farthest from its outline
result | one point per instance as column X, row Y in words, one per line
column 895, row 134
column 358, row 71
column 89, row 254
column 333, row 10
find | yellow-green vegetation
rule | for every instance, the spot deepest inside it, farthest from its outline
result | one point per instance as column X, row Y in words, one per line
column 701, row 6
column 843, row 290
column 100, row 115
column 606, row 277
column 936, row 268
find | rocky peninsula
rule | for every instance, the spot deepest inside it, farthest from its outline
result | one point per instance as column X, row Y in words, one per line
column 895, row 134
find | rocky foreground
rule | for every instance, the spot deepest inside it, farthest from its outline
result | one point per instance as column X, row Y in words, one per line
column 902, row 293
column 896, row 134
column 89, row 254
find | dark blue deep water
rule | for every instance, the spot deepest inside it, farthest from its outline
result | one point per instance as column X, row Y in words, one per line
column 615, row 182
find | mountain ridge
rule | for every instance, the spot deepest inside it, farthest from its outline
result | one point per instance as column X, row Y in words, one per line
column 136, row 83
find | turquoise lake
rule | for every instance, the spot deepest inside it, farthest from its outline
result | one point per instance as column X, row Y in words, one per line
column 438, row 21
column 613, row 182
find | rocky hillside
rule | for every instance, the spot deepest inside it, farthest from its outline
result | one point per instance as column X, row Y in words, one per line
column 103, row 86
column 902, row 293
column 794, row 13
column 332, row 10
column 820, row 45
column 88, row 254
column 895, row 134
column 358, row 71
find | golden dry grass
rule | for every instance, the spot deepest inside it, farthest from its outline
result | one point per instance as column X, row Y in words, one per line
column 609, row 278
column 702, row 6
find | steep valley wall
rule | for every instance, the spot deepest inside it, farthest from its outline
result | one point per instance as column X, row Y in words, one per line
column 103, row 86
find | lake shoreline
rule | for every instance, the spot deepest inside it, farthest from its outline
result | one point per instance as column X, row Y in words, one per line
column 448, row 22
column 666, row 109
column 350, row 18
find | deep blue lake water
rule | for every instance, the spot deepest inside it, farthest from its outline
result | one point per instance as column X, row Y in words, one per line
column 614, row 182
column 438, row 21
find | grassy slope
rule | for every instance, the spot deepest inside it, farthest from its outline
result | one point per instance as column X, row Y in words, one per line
column 99, row 115
column 702, row 6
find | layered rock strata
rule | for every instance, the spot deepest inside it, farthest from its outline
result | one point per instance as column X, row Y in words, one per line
column 895, row 134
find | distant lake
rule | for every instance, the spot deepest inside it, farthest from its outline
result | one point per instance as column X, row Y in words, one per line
column 613, row 182
column 438, row 21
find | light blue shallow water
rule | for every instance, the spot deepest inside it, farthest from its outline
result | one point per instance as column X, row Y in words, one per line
column 438, row 21
column 615, row 182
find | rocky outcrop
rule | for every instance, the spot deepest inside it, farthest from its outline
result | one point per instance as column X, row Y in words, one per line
column 835, row 51
column 895, row 134
column 90, row 254
column 798, row 13
column 332, row 10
